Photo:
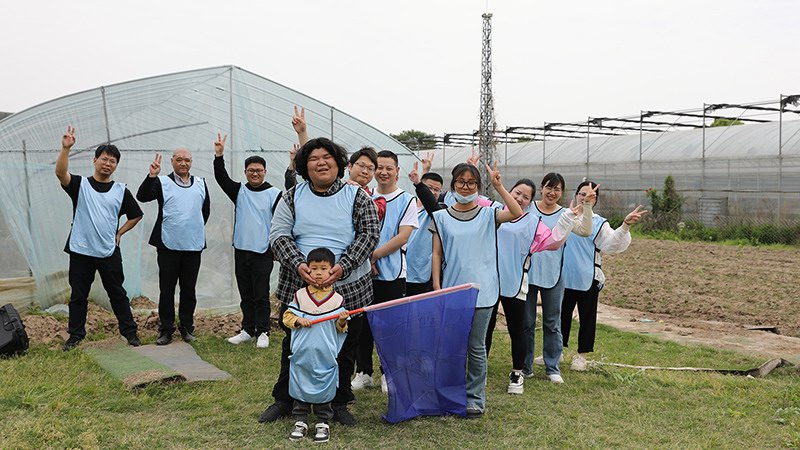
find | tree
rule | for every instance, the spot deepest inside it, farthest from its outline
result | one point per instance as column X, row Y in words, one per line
column 416, row 140
column 725, row 122
column 665, row 207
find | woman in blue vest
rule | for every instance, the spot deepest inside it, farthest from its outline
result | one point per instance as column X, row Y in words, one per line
column 583, row 277
column 544, row 276
column 465, row 251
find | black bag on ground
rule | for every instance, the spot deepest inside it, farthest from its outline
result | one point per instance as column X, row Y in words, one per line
column 13, row 338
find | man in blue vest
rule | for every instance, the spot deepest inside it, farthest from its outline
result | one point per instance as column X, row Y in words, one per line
column 253, row 259
column 179, row 237
column 93, row 243
column 325, row 212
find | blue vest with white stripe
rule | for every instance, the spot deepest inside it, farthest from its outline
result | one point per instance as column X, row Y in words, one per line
column 253, row 218
column 470, row 253
column 419, row 251
column 182, row 224
column 326, row 222
column 390, row 266
column 579, row 258
column 94, row 228
column 545, row 270
column 514, row 241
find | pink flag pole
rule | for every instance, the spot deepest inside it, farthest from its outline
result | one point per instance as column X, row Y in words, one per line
column 400, row 301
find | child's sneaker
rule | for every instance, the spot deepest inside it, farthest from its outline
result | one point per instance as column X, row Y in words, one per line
column 323, row 433
column 361, row 381
column 515, row 381
column 299, row 432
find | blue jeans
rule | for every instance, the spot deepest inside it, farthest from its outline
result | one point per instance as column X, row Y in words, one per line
column 551, row 318
column 477, row 365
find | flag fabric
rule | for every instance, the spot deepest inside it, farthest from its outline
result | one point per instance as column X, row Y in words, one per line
column 422, row 345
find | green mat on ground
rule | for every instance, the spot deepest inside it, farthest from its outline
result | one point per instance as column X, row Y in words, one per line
column 128, row 366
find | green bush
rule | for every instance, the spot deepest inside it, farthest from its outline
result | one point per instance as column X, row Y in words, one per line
column 741, row 233
column 665, row 208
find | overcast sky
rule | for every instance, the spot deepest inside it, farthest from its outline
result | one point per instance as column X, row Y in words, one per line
column 416, row 64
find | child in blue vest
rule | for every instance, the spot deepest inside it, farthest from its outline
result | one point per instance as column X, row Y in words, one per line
column 313, row 371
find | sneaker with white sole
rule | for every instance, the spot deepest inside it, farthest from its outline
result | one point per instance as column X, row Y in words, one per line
column 539, row 360
column 578, row 363
column 299, row 432
column 323, row 433
column 361, row 381
column 555, row 378
column 515, row 381
column 263, row 340
column 242, row 337
column 384, row 386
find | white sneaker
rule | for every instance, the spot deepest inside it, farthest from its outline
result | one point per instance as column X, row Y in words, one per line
column 539, row 360
column 384, row 386
column 323, row 433
column 299, row 431
column 361, row 381
column 263, row 340
column 515, row 380
column 555, row 378
column 243, row 336
column 578, row 363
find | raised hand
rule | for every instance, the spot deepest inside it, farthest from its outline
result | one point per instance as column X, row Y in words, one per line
column 494, row 175
column 576, row 209
column 414, row 175
column 299, row 120
column 219, row 145
column 591, row 196
column 474, row 158
column 68, row 139
column 427, row 162
column 635, row 215
column 155, row 166
column 292, row 153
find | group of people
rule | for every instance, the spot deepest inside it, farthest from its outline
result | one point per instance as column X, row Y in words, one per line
column 341, row 246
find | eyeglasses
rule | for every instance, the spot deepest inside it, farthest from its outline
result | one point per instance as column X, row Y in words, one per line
column 255, row 171
column 582, row 194
column 471, row 184
column 362, row 166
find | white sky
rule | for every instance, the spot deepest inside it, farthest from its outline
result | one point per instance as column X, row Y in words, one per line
column 416, row 64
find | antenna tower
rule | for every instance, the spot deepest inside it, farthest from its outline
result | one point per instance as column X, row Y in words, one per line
column 486, row 142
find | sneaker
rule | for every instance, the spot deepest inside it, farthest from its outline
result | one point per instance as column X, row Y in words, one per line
column 299, row 432
column 343, row 416
column 515, row 381
column 134, row 341
column 384, row 385
column 555, row 378
column 474, row 413
column 164, row 339
column 262, row 342
column 539, row 360
column 361, row 381
column 323, row 433
column 243, row 336
column 527, row 374
column 578, row 363
column 187, row 335
column 275, row 411
column 71, row 343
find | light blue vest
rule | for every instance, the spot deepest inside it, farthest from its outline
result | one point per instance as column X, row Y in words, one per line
column 545, row 270
column 419, row 251
column 326, row 222
column 514, row 241
column 390, row 266
column 182, row 225
column 94, row 228
column 450, row 200
column 470, row 253
column 253, row 218
column 579, row 258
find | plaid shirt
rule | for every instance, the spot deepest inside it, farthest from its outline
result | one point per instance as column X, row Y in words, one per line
column 367, row 227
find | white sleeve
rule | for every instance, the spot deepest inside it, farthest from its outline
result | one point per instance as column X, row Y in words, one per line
column 613, row 241
column 410, row 217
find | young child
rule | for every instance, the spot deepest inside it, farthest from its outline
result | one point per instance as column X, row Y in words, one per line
column 313, row 372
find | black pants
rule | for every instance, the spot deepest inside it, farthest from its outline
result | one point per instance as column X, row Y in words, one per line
column 323, row 411
column 514, row 309
column 418, row 288
column 346, row 361
column 81, row 275
column 587, row 315
column 177, row 267
column 382, row 291
column 252, row 278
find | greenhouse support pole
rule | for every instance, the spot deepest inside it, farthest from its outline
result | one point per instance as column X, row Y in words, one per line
column 641, row 120
column 505, row 158
column 588, row 129
column 780, row 157
column 331, row 123
column 234, row 287
column 544, row 142
column 27, row 192
column 703, row 156
column 105, row 114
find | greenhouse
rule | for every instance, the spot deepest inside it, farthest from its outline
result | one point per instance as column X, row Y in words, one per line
column 142, row 117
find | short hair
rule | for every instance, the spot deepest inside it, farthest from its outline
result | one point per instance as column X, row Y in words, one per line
column 369, row 152
column 108, row 149
column 255, row 159
column 321, row 254
column 587, row 183
column 527, row 182
column 432, row 176
column 337, row 151
column 553, row 179
column 462, row 168
column 389, row 154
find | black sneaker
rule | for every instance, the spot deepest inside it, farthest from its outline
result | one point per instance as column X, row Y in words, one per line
column 343, row 416
column 474, row 413
column 134, row 341
column 275, row 411
column 186, row 335
column 164, row 339
column 71, row 343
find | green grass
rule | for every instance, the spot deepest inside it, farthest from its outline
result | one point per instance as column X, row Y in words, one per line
column 50, row 399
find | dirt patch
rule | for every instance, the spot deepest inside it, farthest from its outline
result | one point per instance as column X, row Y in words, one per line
column 142, row 302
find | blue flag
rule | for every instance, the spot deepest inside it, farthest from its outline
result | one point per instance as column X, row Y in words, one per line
column 423, row 349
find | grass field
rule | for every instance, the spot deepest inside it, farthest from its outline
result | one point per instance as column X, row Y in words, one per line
column 50, row 399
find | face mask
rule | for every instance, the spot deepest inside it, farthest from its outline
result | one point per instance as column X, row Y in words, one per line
column 464, row 200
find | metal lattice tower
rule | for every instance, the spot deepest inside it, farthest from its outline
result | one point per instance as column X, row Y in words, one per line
column 486, row 129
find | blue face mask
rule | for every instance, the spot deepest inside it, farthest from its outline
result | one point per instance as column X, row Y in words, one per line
column 464, row 200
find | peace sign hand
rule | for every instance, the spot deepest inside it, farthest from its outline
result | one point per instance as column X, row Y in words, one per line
column 494, row 176
column 219, row 145
column 68, row 139
column 414, row 174
column 427, row 162
column 292, row 153
column 634, row 216
column 155, row 166
column 299, row 120
column 591, row 196
column 474, row 158
column 576, row 209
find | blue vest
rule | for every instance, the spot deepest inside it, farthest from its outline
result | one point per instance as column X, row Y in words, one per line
column 419, row 251
column 313, row 371
column 182, row 224
column 579, row 258
column 470, row 253
column 253, row 218
column 94, row 228
column 545, row 270
column 450, row 200
column 514, row 241
column 390, row 266
column 326, row 222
